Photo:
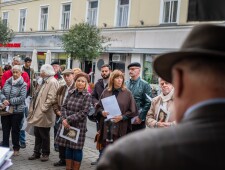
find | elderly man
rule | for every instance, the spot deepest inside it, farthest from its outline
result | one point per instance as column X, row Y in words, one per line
column 198, row 140
column 60, row 98
column 163, row 103
column 41, row 114
column 140, row 89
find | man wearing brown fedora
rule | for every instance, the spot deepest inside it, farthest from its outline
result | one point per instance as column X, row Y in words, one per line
column 198, row 140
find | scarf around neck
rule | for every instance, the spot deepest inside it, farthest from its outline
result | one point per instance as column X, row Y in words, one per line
column 16, row 81
column 168, row 96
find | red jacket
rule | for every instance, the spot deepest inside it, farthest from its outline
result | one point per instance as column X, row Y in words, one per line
column 6, row 75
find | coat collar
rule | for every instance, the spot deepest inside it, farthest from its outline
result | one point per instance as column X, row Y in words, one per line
column 20, row 82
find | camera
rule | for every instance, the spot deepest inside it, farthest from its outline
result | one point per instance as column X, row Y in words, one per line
column 109, row 124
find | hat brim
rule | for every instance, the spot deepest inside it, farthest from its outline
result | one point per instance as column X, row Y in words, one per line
column 163, row 63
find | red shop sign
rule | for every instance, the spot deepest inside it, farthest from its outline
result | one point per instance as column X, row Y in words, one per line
column 11, row 45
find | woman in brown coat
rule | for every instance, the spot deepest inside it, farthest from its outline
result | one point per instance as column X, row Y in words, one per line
column 127, row 105
column 74, row 114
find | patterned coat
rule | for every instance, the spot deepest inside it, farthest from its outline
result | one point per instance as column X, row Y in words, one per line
column 75, row 110
column 16, row 94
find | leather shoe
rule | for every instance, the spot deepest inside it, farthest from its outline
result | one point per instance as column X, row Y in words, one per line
column 60, row 163
column 34, row 156
column 44, row 158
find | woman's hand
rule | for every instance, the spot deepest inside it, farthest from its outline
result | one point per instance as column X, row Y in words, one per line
column 116, row 119
column 104, row 113
column 65, row 124
column 6, row 102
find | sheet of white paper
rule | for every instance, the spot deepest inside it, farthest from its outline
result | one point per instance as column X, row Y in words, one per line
column 148, row 97
column 111, row 105
column 3, row 154
column 7, row 108
column 6, row 164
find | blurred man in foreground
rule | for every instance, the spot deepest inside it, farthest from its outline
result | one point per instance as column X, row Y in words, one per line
column 198, row 140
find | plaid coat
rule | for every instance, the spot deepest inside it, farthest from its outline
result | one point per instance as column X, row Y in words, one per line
column 75, row 110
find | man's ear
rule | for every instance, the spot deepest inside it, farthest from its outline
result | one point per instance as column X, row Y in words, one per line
column 178, row 81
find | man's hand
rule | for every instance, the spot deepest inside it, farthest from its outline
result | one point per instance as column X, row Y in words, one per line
column 58, row 113
column 137, row 120
column 116, row 119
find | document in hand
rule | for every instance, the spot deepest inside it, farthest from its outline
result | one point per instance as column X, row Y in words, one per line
column 111, row 105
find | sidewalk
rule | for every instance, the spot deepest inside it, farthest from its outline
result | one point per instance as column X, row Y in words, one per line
column 21, row 162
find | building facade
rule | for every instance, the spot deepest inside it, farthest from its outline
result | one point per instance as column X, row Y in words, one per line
column 139, row 30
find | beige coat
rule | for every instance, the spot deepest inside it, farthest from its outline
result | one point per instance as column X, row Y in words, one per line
column 152, row 113
column 42, row 115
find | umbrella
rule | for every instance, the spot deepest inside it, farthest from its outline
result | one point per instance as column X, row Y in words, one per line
column 48, row 58
column 34, row 63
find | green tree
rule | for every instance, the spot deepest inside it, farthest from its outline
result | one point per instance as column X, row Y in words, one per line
column 6, row 34
column 84, row 42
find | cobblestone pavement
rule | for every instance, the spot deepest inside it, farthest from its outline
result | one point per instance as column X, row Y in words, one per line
column 21, row 162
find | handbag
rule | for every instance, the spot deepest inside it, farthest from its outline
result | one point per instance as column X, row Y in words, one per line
column 3, row 111
column 92, row 114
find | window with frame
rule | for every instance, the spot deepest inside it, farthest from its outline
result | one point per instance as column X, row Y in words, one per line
column 92, row 12
column 170, row 8
column 44, row 19
column 65, row 17
column 22, row 20
column 123, row 9
column 5, row 17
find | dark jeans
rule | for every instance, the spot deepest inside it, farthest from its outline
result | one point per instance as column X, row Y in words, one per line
column 74, row 154
column 139, row 126
column 42, row 140
column 62, row 153
column 11, row 123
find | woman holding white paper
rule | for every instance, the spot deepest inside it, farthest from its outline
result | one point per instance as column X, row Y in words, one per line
column 121, row 123
column 74, row 113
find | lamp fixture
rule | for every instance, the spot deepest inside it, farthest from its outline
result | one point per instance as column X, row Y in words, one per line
column 104, row 24
column 52, row 27
column 31, row 29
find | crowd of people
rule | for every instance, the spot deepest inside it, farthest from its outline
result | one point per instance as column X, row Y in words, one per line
column 62, row 99
column 174, row 118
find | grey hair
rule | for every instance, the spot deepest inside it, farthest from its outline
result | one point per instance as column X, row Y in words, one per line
column 17, row 67
column 17, row 58
column 47, row 69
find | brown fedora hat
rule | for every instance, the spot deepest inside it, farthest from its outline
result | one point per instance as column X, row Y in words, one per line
column 205, row 41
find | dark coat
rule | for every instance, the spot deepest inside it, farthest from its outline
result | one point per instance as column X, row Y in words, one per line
column 97, row 92
column 139, row 88
column 75, row 110
column 198, row 142
column 128, row 108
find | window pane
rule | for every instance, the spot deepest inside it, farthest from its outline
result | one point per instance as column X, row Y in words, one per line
column 94, row 4
column 166, row 12
column 174, row 11
column 124, row 2
column 66, row 7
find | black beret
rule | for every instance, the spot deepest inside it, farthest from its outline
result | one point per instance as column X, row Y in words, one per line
column 27, row 59
column 134, row 64
column 55, row 62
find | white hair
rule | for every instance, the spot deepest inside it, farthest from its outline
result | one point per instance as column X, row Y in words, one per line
column 17, row 58
column 17, row 67
column 48, row 70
